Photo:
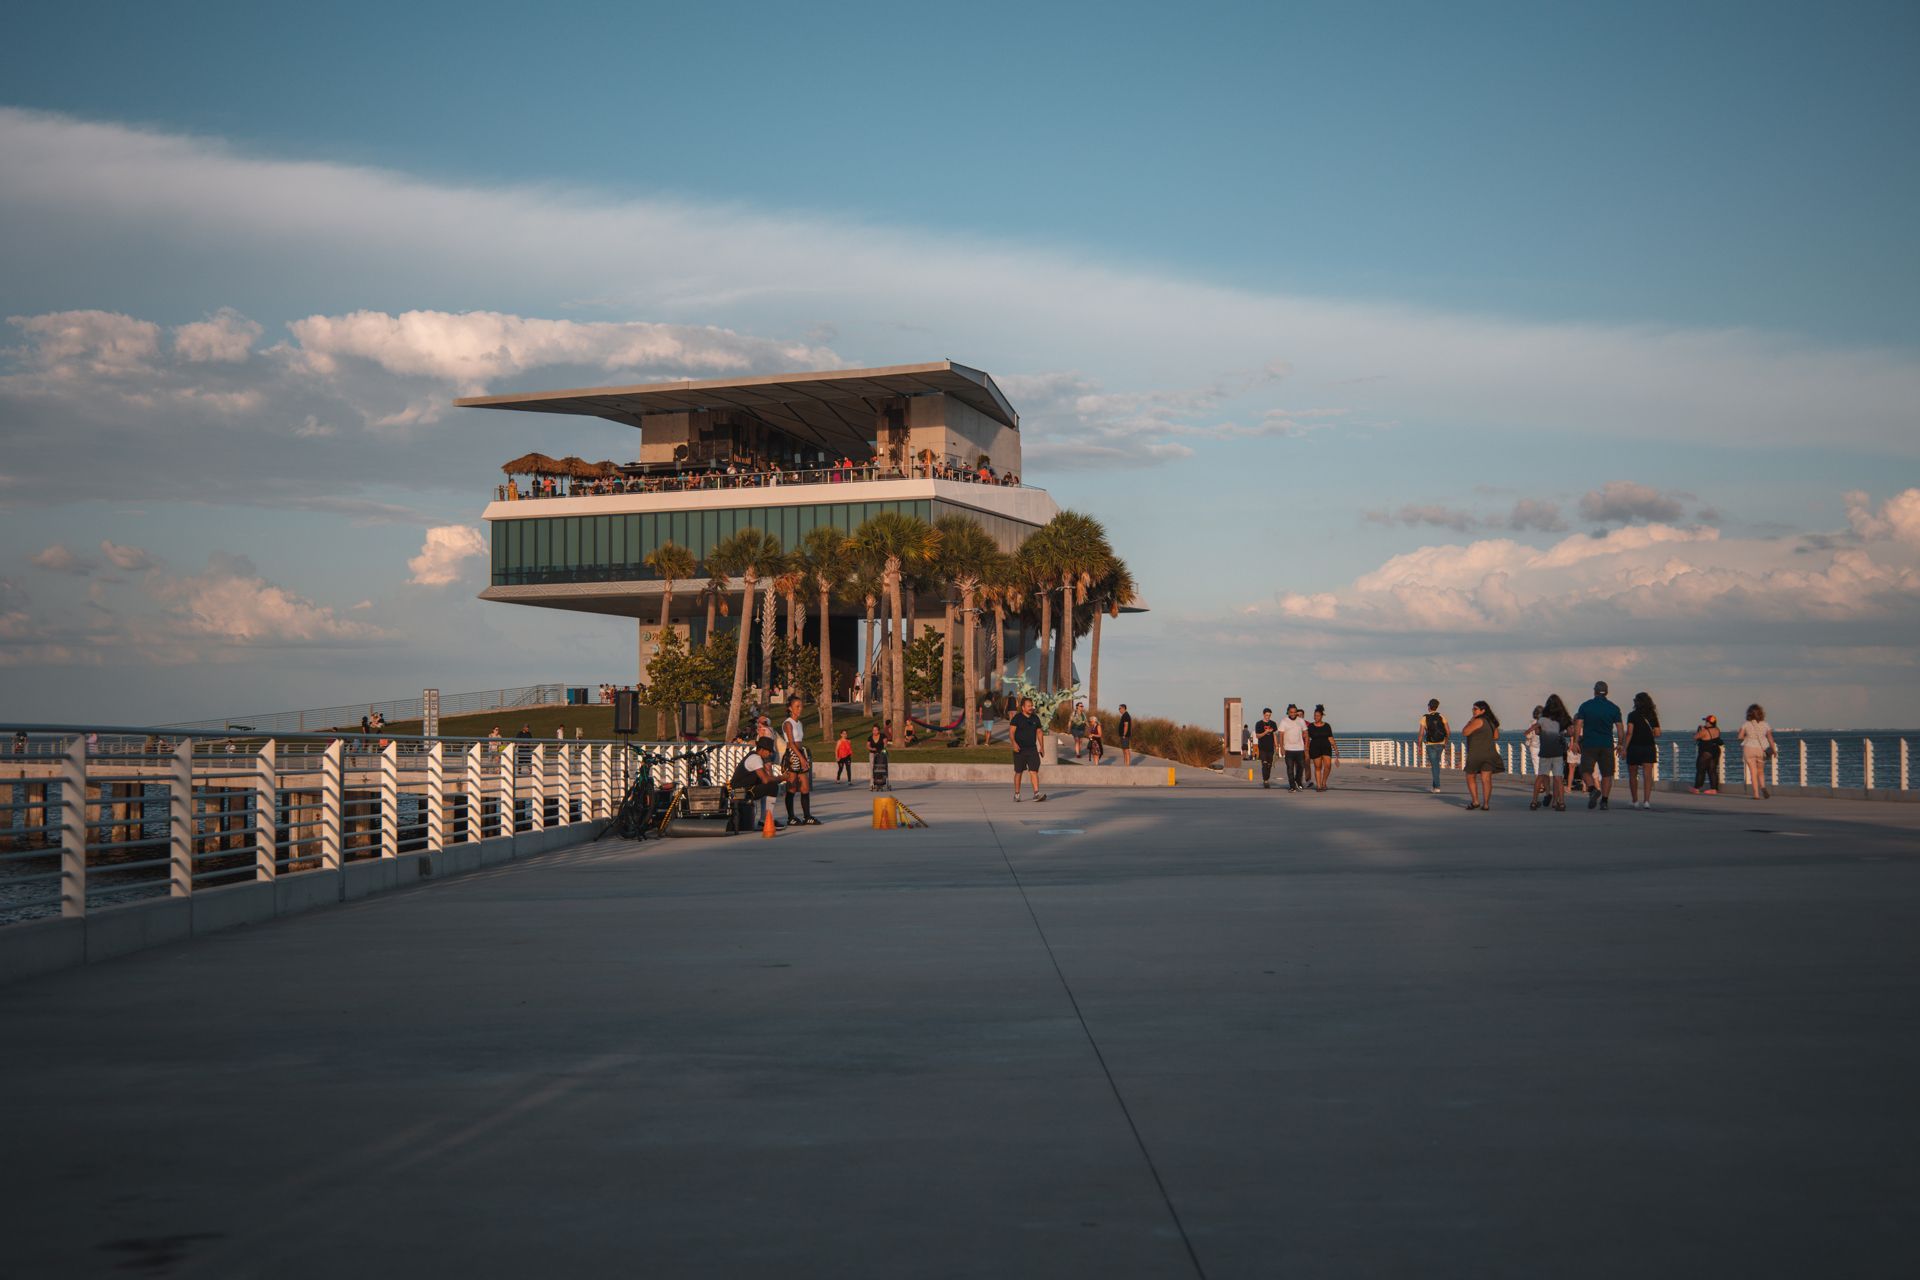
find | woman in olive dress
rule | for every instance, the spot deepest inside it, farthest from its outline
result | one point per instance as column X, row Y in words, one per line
column 1483, row 756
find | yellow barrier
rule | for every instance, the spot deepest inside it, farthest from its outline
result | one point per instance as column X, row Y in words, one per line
column 1170, row 781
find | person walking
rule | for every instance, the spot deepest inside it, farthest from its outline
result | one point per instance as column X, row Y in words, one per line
column 1706, row 756
column 1096, row 740
column 1293, row 741
column 1482, row 733
column 1641, row 743
column 1757, row 747
column 1125, row 728
column 1596, row 724
column 1323, row 753
column 843, row 759
column 1549, row 733
column 1077, row 725
column 1264, row 735
column 1024, row 732
column 1434, row 731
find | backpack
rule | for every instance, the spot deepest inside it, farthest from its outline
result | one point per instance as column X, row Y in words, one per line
column 1436, row 727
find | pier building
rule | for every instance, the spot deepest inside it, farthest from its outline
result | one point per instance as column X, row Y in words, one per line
column 784, row 453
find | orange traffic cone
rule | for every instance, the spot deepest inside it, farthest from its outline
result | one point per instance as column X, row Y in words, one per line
column 767, row 828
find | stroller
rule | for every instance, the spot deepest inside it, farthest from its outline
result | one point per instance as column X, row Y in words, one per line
column 877, row 780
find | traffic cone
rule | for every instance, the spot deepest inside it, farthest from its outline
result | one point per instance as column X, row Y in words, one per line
column 767, row 828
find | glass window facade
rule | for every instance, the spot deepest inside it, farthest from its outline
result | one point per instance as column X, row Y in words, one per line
column 613, row 548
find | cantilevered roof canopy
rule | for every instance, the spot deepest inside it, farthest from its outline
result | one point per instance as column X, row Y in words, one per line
column 834, row 408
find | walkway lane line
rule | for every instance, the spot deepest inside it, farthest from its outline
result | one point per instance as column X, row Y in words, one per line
column 1099, row 1057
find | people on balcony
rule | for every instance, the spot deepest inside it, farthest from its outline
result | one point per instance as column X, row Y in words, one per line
column 754, row 473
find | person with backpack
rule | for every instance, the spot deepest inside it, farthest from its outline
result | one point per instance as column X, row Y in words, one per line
column 1434, row 731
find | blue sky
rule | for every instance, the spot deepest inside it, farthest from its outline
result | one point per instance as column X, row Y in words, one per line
column 1347, row 284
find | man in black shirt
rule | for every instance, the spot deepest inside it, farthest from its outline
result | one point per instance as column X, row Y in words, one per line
column 1126, row 736
column 1265, row 731
column 1025, row 732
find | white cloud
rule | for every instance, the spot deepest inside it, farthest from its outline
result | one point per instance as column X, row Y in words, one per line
column 1624, row 501
column 447, row 549
column 1898, row 517
column 469, row 350
column 668, row 260
column 61, row 559
column 129, row 559
column 73, row 344
column 226, row 337
column 230, row 603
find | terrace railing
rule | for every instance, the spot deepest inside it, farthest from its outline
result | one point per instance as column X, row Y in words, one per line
column 96, row 818
column 314, row 719
column 693, row 481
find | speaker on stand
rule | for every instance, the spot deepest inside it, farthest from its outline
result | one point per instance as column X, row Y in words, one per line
column 626, row 711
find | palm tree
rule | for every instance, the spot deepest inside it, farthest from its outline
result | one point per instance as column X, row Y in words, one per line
column 674, row 563
column 1003, row 590
column 1039, row 571
column 715, row 590
column 966, row 551
column 826, row 554
column 1114, row 592
column 863, row 583
column 901, row 543
column 1081, row 555
column 744, row 554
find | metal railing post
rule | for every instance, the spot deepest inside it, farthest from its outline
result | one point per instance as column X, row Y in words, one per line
column 73, row 830
column 1867, row 760
column 1803, row 762
column 537, row 786
column 180, row 821
column 333, row 770
column 599, row 771
column 436, row 799
column 569, row 756
column 1903, row 764
column 1773, row 770
column 389, row 817
column 476, row 792
column 507, row 791
column 266, row 812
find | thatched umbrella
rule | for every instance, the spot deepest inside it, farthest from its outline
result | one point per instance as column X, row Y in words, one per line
column 576, row 467
column 534, row 464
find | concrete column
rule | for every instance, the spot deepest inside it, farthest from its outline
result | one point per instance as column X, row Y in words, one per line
column 1867, row 761
column 1903, row 764
column 332, row 789
column 599, row 771
column 73, row 829
column 390, row 800
column 568, row 756
column 1833, row 761
column 436, row 799
column 266, row 812
column 180, row 821
column 1803, row 762
column 1773, row 770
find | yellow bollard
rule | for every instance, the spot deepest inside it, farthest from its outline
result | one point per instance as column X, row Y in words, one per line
column 1249, row 773
column 885, row 816
column 1170, row 781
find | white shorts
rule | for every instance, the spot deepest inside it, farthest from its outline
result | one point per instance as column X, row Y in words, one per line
column 1548, row 766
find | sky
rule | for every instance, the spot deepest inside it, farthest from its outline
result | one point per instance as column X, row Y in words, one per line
column 1406, row 351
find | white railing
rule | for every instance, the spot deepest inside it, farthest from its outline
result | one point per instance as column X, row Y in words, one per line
column 1410, row 753
column 96, row 818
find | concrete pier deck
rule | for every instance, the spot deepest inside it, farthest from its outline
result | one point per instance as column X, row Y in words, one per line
column 1169, row 1032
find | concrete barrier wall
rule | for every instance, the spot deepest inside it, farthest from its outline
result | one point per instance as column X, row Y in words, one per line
column 48, row 946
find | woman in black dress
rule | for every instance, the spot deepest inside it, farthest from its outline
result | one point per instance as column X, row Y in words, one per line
column 1643, row 750
column 1322, row 751
column 1706, row 757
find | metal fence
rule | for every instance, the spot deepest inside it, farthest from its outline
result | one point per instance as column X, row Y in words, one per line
column 97, row 818
column 313, row 719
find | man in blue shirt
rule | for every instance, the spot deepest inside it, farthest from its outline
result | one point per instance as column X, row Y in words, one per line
column 1595, row 724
